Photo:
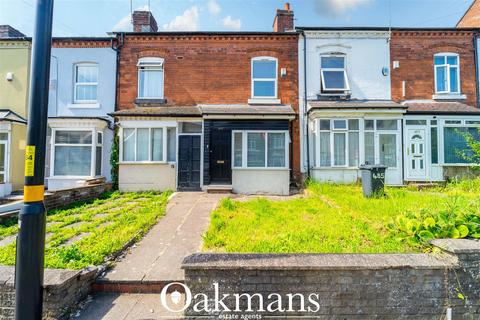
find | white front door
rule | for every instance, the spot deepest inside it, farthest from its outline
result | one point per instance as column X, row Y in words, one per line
column 416, row 154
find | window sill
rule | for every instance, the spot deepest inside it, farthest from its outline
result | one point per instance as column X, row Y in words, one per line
column 261, row 169
column 457, row 164
column 264, row 101
column 147, row 162
column 141, row 101
column 89, row 105
column 71, row 177
column 449, row 96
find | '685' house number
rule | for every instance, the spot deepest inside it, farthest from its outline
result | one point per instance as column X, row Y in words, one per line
column 379, row 175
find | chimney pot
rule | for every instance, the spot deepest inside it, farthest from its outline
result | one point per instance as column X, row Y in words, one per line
column 287, row 6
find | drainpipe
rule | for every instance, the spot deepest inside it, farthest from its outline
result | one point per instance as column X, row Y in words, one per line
column 477, row 77
column 117, row 49
column 305, row 111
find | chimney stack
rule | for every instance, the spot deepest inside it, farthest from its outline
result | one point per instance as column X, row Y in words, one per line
column 471, row 18
column 283, row 19
column 143, row 21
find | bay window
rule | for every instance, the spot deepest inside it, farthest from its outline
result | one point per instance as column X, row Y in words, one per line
column 150, row 78
column 148, row 144
column 347, row 143
column 338, row 142
column 456, row 148
column 447, row 73
column 86, row 83
column 264, row 77
column 260, row 149
column 77, row 152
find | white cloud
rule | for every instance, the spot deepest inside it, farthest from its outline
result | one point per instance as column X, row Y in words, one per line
column 125, row 24
column 213, row 7
column 234, row 24
column 188, row 21
column 336, row 8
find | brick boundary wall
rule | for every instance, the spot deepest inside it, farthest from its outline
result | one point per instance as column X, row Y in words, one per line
column 61, row 198
column 63, row 290
column 349, row 286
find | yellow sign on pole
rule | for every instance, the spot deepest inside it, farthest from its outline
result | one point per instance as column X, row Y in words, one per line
column 29, row 161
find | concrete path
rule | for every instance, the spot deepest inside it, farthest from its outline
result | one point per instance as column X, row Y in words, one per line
column 158, row 256
column 125, row 307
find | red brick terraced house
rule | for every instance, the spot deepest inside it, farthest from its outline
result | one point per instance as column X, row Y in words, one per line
column 434, row 74
column 208, row 110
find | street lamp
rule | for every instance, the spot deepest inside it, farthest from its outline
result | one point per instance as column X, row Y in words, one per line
column 29, row 265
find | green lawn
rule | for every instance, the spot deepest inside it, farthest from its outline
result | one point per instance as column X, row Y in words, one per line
column 338, row 219
column 87, row 233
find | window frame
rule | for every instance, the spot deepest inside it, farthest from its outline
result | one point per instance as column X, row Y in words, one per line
column 93, row 145
column 333, row 91
column 6, row 171
column 244, row 161
column 332, row 131
column 445, row 55
column 441, row 130
column 150, row 156
column 76, row 84
column 153, row 63
column 253, row 79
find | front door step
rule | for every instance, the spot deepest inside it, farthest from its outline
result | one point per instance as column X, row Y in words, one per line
column 425, row 185
column 219, row 188
column 134, row 286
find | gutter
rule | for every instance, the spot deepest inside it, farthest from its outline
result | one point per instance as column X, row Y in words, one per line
column 305, row 112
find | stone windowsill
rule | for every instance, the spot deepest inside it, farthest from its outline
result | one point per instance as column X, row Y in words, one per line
column 454, row 96
column 264, row 101
column 150, row 102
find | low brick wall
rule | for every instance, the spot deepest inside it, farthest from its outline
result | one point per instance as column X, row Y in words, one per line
column 60, row 198
column 344, row 286
column 63, row 289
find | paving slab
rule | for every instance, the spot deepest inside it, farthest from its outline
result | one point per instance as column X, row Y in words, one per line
column 7, row 240
column 125, row 307
column 158, row 256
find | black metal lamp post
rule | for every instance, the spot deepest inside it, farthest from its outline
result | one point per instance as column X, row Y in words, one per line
column 31, row 221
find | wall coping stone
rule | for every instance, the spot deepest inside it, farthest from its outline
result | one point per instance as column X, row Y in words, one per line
column 457, row 246
column 52, row 277
column 222, row 261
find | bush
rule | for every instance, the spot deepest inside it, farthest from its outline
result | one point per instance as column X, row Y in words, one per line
column 418, row 228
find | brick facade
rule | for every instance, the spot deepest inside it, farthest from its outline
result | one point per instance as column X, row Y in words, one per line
column 471, row 19
column 415, row 51
column 213, row 68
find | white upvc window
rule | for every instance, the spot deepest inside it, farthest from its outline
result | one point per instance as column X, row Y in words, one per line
column 338, row 143
column 150, row 78
column 264, row 78
column 4, row 150
column 76, row 153
column 260, row 149
column 85, row 83
column 148, row 145
column 333, row 74
column 447, row 73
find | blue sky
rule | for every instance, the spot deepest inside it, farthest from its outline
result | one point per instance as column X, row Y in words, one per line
column 97, row 17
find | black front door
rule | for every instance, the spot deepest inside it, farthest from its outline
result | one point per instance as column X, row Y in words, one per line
column 220, row 156
column 189, row 162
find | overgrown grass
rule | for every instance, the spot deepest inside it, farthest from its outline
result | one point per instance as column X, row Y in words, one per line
column 329, row 219
column 107, row 224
